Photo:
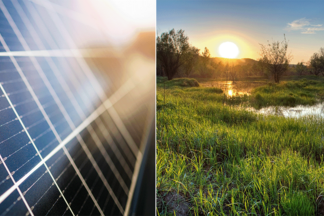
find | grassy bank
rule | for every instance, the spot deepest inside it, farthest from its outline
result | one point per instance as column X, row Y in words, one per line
column 289, row 93
column 177, row 88
column 263, row 79
column 219, row 160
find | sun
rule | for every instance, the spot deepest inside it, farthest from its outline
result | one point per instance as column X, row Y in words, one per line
column 228, row 50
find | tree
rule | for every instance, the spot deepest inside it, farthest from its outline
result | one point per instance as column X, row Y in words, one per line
column 233, row 70
column 258, row 68
column 171, row 49
column 300, row 68
column 317, row 63
column 275, row 58
column 215, row 67
column 190, row 60
column 206, row 55
column 225, row 70
column 204, row 67
column 255, row 68
column 245, row 68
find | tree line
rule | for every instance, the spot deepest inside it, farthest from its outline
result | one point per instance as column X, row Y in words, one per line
column 176, row 57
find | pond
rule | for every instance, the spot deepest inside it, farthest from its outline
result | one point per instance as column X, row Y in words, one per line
column 238, row 88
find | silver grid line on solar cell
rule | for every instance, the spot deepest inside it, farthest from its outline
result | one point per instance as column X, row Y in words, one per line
column 15, row 183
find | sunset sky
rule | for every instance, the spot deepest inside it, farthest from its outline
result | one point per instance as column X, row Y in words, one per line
column 246, row 23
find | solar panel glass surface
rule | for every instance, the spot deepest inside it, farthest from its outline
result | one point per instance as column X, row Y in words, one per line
column 72, row 128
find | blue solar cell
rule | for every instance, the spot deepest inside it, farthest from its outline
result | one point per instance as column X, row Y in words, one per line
column 19, row 23
column 13, row 205
column 5, row 181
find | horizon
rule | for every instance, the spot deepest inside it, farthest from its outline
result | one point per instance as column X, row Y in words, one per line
column 247, row 24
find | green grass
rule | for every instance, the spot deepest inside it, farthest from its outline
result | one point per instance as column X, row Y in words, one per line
column 227, row 161
column 289, row 93
column 184, row 82
column 263, row 79
column 175, row 88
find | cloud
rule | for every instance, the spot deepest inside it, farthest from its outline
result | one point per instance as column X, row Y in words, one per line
column 298, row 24
column 312, row 30
column 304, row 26
column 308, row 32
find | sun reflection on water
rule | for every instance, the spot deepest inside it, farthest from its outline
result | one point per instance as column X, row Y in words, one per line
column 239, row 88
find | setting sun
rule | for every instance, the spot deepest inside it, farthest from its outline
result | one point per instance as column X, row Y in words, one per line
column 228, row 50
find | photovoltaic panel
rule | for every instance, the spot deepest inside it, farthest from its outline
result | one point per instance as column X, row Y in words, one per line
column 75, row 117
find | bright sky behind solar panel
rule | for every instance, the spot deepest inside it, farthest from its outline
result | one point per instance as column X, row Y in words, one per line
column 121, row 19
column 117, row 20
column 246, row 23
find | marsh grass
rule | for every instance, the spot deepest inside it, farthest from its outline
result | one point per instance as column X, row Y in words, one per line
column 228, row 161
column 289, row 93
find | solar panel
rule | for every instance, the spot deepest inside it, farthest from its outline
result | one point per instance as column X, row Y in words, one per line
column 76, row 117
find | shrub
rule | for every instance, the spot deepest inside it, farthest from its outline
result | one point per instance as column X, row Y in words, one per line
column 258, row 97
column 214, row 90
column 184, row 82
column 160, row 79
column 190, row 83
column 288, row 100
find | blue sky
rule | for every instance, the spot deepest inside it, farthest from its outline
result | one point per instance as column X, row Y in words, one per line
column 247, row 23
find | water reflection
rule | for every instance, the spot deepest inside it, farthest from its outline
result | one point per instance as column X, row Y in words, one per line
column 292, row 112
column 239, row 88
column 230, row 92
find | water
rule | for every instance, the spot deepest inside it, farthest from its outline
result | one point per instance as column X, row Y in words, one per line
column 239, row 88
column 292, row 112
